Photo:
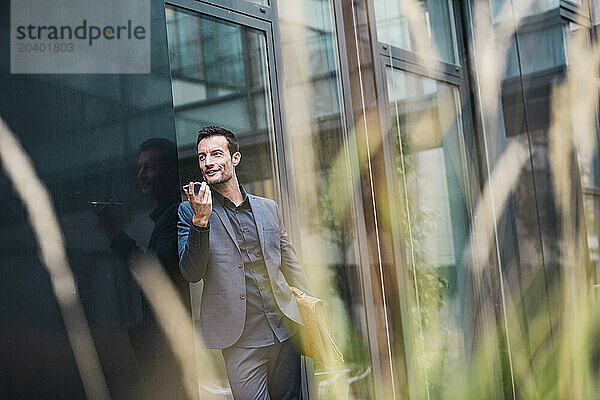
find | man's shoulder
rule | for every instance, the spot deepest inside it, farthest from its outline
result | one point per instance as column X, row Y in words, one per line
column 263, row 200
column 169, row 214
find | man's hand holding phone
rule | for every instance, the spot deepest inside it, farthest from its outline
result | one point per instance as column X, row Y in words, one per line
column 200, row 200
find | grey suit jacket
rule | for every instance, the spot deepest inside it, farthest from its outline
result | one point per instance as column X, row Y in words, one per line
column 215, row 257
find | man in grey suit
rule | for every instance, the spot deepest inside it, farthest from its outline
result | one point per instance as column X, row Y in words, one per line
column 237, row 243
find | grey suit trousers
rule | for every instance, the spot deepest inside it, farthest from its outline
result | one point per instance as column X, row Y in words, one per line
column 265, row 373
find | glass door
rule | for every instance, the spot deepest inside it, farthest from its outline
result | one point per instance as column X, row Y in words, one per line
column 221, row 68
column 220, row 75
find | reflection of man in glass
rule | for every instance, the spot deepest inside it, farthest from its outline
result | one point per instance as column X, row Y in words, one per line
column 158, row 179
column 237, row 244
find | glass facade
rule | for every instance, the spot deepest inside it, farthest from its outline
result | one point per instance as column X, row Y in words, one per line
column 436, row 164
column 101, row 145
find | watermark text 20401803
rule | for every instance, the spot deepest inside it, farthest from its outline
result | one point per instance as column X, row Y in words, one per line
column 80, row 36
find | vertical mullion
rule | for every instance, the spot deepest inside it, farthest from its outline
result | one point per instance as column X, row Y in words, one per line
column 358, row 206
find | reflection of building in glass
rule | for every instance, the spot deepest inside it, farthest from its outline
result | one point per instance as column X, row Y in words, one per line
column 436, row 163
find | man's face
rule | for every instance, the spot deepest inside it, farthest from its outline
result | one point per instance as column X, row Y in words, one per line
column 216, row 164
column 152, row 174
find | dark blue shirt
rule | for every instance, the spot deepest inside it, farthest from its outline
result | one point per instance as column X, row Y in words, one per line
column 264, row 321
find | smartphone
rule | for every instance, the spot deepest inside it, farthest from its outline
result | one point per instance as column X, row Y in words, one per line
column 108, row 208
column 99, row 205
column 196, row 187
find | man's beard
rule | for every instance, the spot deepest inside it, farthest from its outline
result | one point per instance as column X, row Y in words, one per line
column 224, row 178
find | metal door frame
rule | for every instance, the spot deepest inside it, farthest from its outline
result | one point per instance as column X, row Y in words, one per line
column 261, row 18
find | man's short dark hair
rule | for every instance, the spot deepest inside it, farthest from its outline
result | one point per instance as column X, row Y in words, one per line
column 166, row 148
column 208, row 131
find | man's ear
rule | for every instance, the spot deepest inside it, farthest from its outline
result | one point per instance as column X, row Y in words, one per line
column 236, row 158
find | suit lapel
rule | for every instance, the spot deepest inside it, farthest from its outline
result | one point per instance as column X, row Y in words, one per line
column 258, row 218
column 218, row 209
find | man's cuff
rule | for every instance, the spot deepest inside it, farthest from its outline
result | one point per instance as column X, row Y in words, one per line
column 201, row 228
column 198, row 234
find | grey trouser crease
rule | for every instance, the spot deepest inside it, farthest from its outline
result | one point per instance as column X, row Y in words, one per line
column 264, row 373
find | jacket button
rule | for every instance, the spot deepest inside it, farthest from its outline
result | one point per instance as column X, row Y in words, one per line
column 239, row 265
column 242, row 296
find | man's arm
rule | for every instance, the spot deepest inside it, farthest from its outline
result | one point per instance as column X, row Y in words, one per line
column 193, row 243
column 166, row 240
column 290, row 264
